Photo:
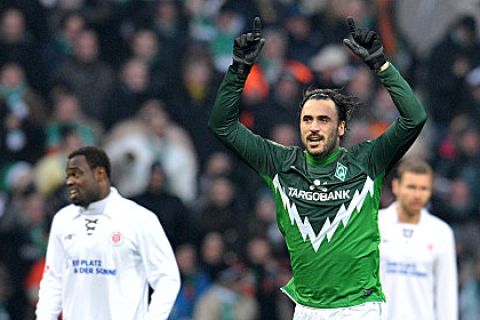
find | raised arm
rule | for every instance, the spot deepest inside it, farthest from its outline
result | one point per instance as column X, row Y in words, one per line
column 392, row 145
column 224, row 119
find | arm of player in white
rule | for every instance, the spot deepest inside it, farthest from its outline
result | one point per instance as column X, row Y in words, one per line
column 446, row 295
column 50, row 296
column 161, row 269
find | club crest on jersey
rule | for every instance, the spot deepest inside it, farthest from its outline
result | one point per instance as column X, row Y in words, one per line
column 341, row 172
column 116, row 239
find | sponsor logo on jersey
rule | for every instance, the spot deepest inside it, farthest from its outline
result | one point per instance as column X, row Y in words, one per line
column 318, row 196
column 405, row 268
column 91, row 267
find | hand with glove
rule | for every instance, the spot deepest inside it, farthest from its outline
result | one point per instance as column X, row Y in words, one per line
column 366, row 45
column 247, row 48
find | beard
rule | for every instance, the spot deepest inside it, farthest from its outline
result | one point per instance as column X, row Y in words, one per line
column 329, row 144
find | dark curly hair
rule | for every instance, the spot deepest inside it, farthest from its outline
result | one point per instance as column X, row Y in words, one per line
column 95, row 157
column 344, row 104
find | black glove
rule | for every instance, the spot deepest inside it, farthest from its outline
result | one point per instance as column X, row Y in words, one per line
column 366, row 45
column 246, row 48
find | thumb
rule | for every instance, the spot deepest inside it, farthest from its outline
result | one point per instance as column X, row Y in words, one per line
column 352, row 45
column 260, row 45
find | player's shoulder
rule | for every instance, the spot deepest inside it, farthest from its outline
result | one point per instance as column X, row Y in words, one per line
column 435, row 223
column 359, row 152
column 388, row 213
column 133, row 212
column 66, row 213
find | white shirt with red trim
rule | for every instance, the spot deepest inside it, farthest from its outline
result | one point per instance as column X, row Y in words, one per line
column 418, row 268
column 101, row 261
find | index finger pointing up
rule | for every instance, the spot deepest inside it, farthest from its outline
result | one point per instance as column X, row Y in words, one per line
column 257, row 26
column 351, row 24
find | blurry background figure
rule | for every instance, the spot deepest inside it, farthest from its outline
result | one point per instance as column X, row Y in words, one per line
column 130, row 91
column 448, row 65
column 172, row 213
column 17, row 45
column 60, row 46
column 194, row 282
column 86, row 74
column 134, row 145
column 24, row 239
column 230, row 297
column 265, row 270
column 191, row 98
column 49, row 171
column 4, row 292
column 67, row 113
column 418, row 266
column 221, row 213
column 212, row 255
column 23, row 116
column 470, row 292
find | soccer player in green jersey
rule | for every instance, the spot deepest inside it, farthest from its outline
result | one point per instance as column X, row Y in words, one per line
column 327, row 196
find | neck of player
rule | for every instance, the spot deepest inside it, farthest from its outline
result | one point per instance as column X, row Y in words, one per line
column 406, row 216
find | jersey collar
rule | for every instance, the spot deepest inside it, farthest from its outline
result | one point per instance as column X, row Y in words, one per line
column 329, row 159
column 100, row 206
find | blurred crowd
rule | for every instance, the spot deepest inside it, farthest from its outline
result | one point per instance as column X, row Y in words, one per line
column 139, row 77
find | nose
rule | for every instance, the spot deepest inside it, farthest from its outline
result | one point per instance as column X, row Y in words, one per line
column 314, row 127
column 70, row 181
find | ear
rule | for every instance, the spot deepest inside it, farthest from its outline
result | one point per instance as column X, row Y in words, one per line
column 100, row 174
column 341, row 128
column 395, row 185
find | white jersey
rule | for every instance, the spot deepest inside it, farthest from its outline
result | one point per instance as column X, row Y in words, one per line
column 418, row 268
column 100, row 262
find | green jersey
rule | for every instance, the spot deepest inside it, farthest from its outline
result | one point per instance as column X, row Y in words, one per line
column 326, row 209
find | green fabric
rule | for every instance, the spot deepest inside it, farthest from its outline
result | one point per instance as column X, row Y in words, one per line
column 326, row 208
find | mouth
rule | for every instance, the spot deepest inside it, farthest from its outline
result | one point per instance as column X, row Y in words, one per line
column 314, row 141
column 73, row 193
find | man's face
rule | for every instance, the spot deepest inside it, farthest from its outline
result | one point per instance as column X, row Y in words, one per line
column 319, row 127
column 413, row 191
column 82, row 182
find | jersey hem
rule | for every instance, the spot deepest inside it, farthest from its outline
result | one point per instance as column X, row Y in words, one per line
column 340, row 305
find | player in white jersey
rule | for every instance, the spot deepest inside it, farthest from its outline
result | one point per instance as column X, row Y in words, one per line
column 104, row 251
column 417, row 251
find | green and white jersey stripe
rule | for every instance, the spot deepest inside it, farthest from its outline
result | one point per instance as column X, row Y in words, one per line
column 328, row 229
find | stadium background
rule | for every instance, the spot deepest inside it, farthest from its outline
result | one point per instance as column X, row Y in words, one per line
column 139, row 77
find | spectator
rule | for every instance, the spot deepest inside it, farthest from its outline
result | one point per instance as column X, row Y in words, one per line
column 169, row 209
column 129, row 93
column 67, row 113
column 134, row 145
column 212, row 255
column 265, row 272
column 17, row 45
column 220, row 213
column 231, row 297
column 145, row 46
column 191, row 98
column 60, row 47
column 23, row 116
column 49, row 171
column 194, row 283
column 87, row 75
column 448, row 65
column 24, row 241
